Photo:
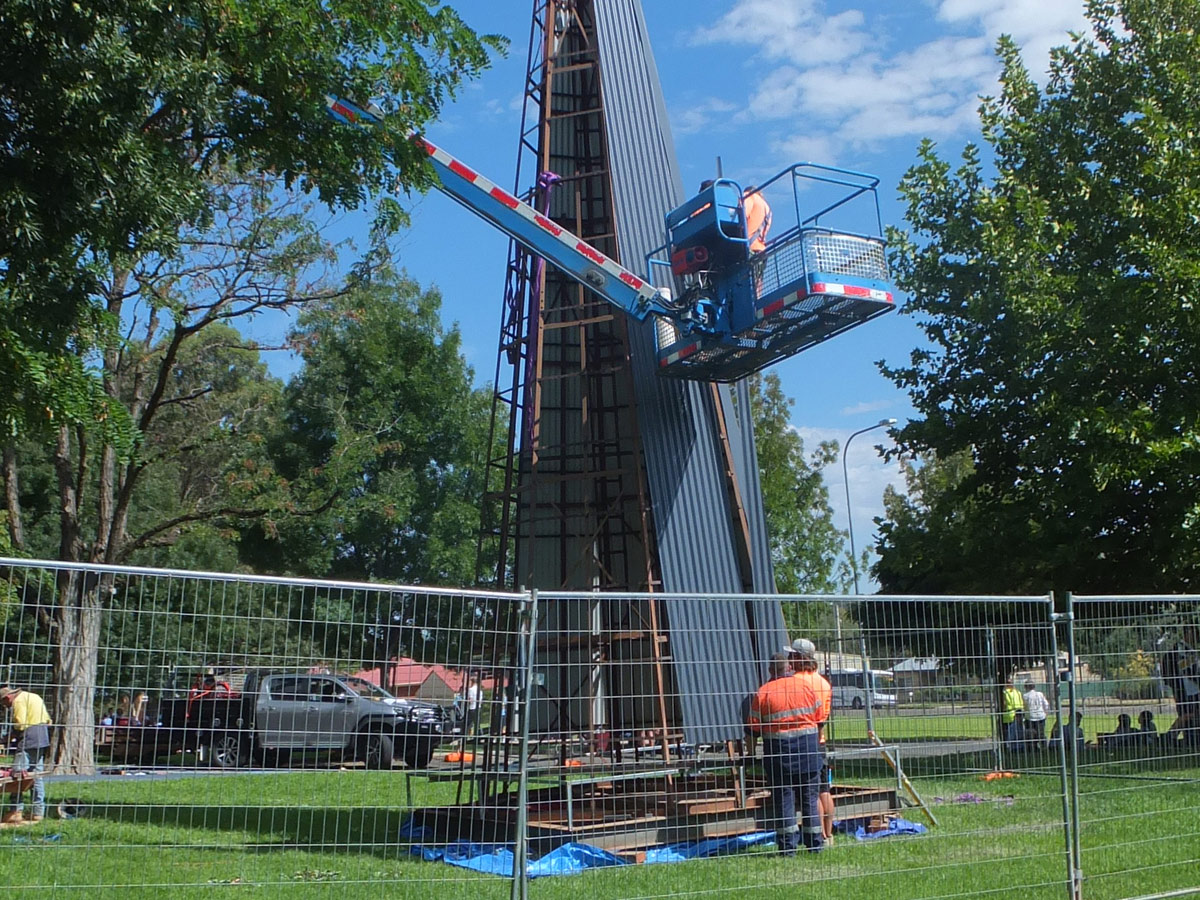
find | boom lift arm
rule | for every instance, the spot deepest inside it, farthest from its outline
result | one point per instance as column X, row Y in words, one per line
column 520, row 221
column 730, row 321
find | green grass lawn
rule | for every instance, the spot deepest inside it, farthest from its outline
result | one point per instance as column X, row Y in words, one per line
column 908, row 724
column 334, row 834
column 851, row 725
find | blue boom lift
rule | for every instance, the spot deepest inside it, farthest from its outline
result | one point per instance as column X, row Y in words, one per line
column 725, row 311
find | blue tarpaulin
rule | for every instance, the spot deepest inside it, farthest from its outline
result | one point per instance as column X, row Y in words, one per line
column 894, row 827
column 572, row 858
column 669, row 853
column 493, row 859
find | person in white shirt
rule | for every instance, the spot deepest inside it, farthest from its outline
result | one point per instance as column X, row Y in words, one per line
column 1037, row 708
column 474, row 706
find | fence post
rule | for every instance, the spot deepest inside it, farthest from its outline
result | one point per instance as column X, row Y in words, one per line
column 1070, row 825
column 524, row 692
column 995, row 713
column 1072, row 668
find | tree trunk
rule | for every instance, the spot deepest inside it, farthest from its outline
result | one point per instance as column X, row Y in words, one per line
column 12, row 497
column 76, row 627
column 76, row 653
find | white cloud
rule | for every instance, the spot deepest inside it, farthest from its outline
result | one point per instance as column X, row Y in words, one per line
column 806, row 147
column 1036, row 25
column 701, row 116
column 839, row 78
column 787, row 29
column 868, row 406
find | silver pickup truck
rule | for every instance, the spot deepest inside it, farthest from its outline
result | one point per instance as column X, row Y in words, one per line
column 278, row 713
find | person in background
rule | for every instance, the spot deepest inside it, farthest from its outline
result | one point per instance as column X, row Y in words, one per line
column 1147, row 728
column 474, row 697
column 1037, row 708
column 1015, row 735
column 1068, row 733
column 1124, row 736
column 31, row 723
column 137, row 711
column 1012, row 704
column 1181, row 670
column 803, row 655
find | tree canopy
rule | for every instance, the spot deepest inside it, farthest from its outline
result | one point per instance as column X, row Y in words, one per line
column 1057, row 279
column 806, row 547
column 142, row 146
column 383, row 416
column 116, row 114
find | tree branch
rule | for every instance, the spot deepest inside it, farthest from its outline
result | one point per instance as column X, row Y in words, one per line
column 225, row 512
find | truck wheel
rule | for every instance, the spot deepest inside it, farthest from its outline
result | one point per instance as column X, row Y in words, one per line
column 857, row 703
column 418, row 757
column 228, row 750
column 376, row 750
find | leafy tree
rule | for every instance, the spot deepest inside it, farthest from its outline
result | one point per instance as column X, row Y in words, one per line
column 116, row 115
column 807, row 550
column 384, row 417
column 200, row 400
column 1060, row 301
column 925, row 545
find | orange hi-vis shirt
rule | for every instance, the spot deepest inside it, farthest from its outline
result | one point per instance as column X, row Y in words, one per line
column 758, row 221
column 784, row 707
column 824, row 692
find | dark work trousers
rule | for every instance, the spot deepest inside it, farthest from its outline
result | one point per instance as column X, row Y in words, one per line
column 793, row 766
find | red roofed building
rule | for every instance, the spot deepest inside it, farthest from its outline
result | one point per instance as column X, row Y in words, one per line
column 409, row 678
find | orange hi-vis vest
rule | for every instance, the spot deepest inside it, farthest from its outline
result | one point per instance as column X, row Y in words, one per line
column 758, row 221
column 824, row 691
column 785, row 707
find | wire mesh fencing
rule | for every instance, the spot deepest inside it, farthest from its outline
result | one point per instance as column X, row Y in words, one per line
column 930, row 789
column 220, row 732
column 1137, row 700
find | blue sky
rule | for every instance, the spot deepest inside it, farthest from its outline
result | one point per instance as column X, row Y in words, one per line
column 762, row 84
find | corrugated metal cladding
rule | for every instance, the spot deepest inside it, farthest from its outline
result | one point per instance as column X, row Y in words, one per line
column 684, row 462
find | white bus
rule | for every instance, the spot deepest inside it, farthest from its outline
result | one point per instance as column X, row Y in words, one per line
column 854, row 688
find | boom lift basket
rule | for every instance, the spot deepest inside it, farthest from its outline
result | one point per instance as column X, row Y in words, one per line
column 812, row 281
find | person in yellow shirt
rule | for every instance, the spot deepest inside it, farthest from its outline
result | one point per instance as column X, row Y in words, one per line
column 31, row 723
column 1014, row 704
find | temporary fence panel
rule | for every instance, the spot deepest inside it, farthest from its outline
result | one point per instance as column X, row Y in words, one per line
column 915, row 738
column 1136, row 674
column 221, row 731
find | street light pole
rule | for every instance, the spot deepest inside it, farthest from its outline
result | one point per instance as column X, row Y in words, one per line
column 882, row 423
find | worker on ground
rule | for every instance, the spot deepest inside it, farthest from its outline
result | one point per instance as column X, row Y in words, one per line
column 1037, row 710
column 1011, row 703
column 31, row 723
column 786, row 713
column 758, row 219
column 803, row 654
